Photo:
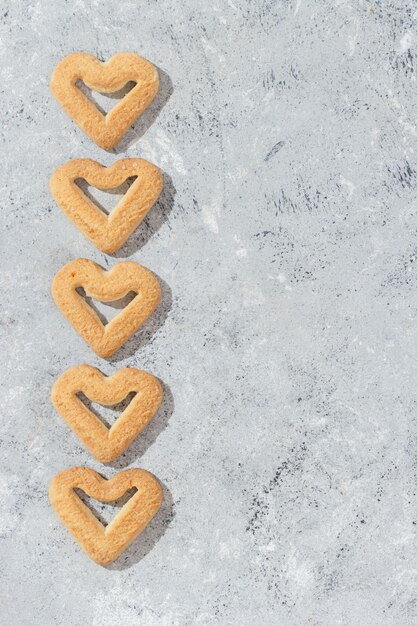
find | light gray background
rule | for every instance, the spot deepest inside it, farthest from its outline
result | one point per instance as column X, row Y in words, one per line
column 287, row 338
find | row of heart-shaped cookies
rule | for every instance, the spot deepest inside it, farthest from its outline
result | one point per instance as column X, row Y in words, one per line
column 108, row 234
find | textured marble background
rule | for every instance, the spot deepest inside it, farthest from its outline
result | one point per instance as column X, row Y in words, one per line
column 287, row 338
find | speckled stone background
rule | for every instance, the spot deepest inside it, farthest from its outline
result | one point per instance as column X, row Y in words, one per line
column 286, row 242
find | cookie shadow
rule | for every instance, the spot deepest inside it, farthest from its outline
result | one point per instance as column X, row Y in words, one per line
column 148, row 539
column 148, row 436
column 95, row 506
column 117, row 408
column 154, row 220
column 88, row 191
column 121, row 303
column 145, row 334
column 139, row 128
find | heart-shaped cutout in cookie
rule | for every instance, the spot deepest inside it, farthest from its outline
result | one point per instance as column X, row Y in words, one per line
column 105, row 77
column 108, row 233
column 106, row 444
column 104, row 544
column 105, row 286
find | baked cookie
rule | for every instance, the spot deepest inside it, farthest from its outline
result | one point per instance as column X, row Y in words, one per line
column 102, row 543
column 110, row 232
column 105, row 77
column 105, row 286
column 106, row 444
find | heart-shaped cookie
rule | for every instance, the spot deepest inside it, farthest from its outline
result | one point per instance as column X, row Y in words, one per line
column 105, row 286
column 106, row 444
column 108, row 233
column 109, row 77
column 105, row 543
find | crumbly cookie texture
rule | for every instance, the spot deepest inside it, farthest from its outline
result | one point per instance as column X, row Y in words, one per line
column 108, row 233
column 105, row 77
column 104, row 544
column 105, row 286
column 106, row 444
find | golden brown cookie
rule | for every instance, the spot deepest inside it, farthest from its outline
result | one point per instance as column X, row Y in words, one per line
column 105, row 286
column 108, row 77
column 105, row 543
column 106, row 444
column 110, row 232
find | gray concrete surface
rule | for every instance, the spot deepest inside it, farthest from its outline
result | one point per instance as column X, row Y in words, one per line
column 286, row 241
